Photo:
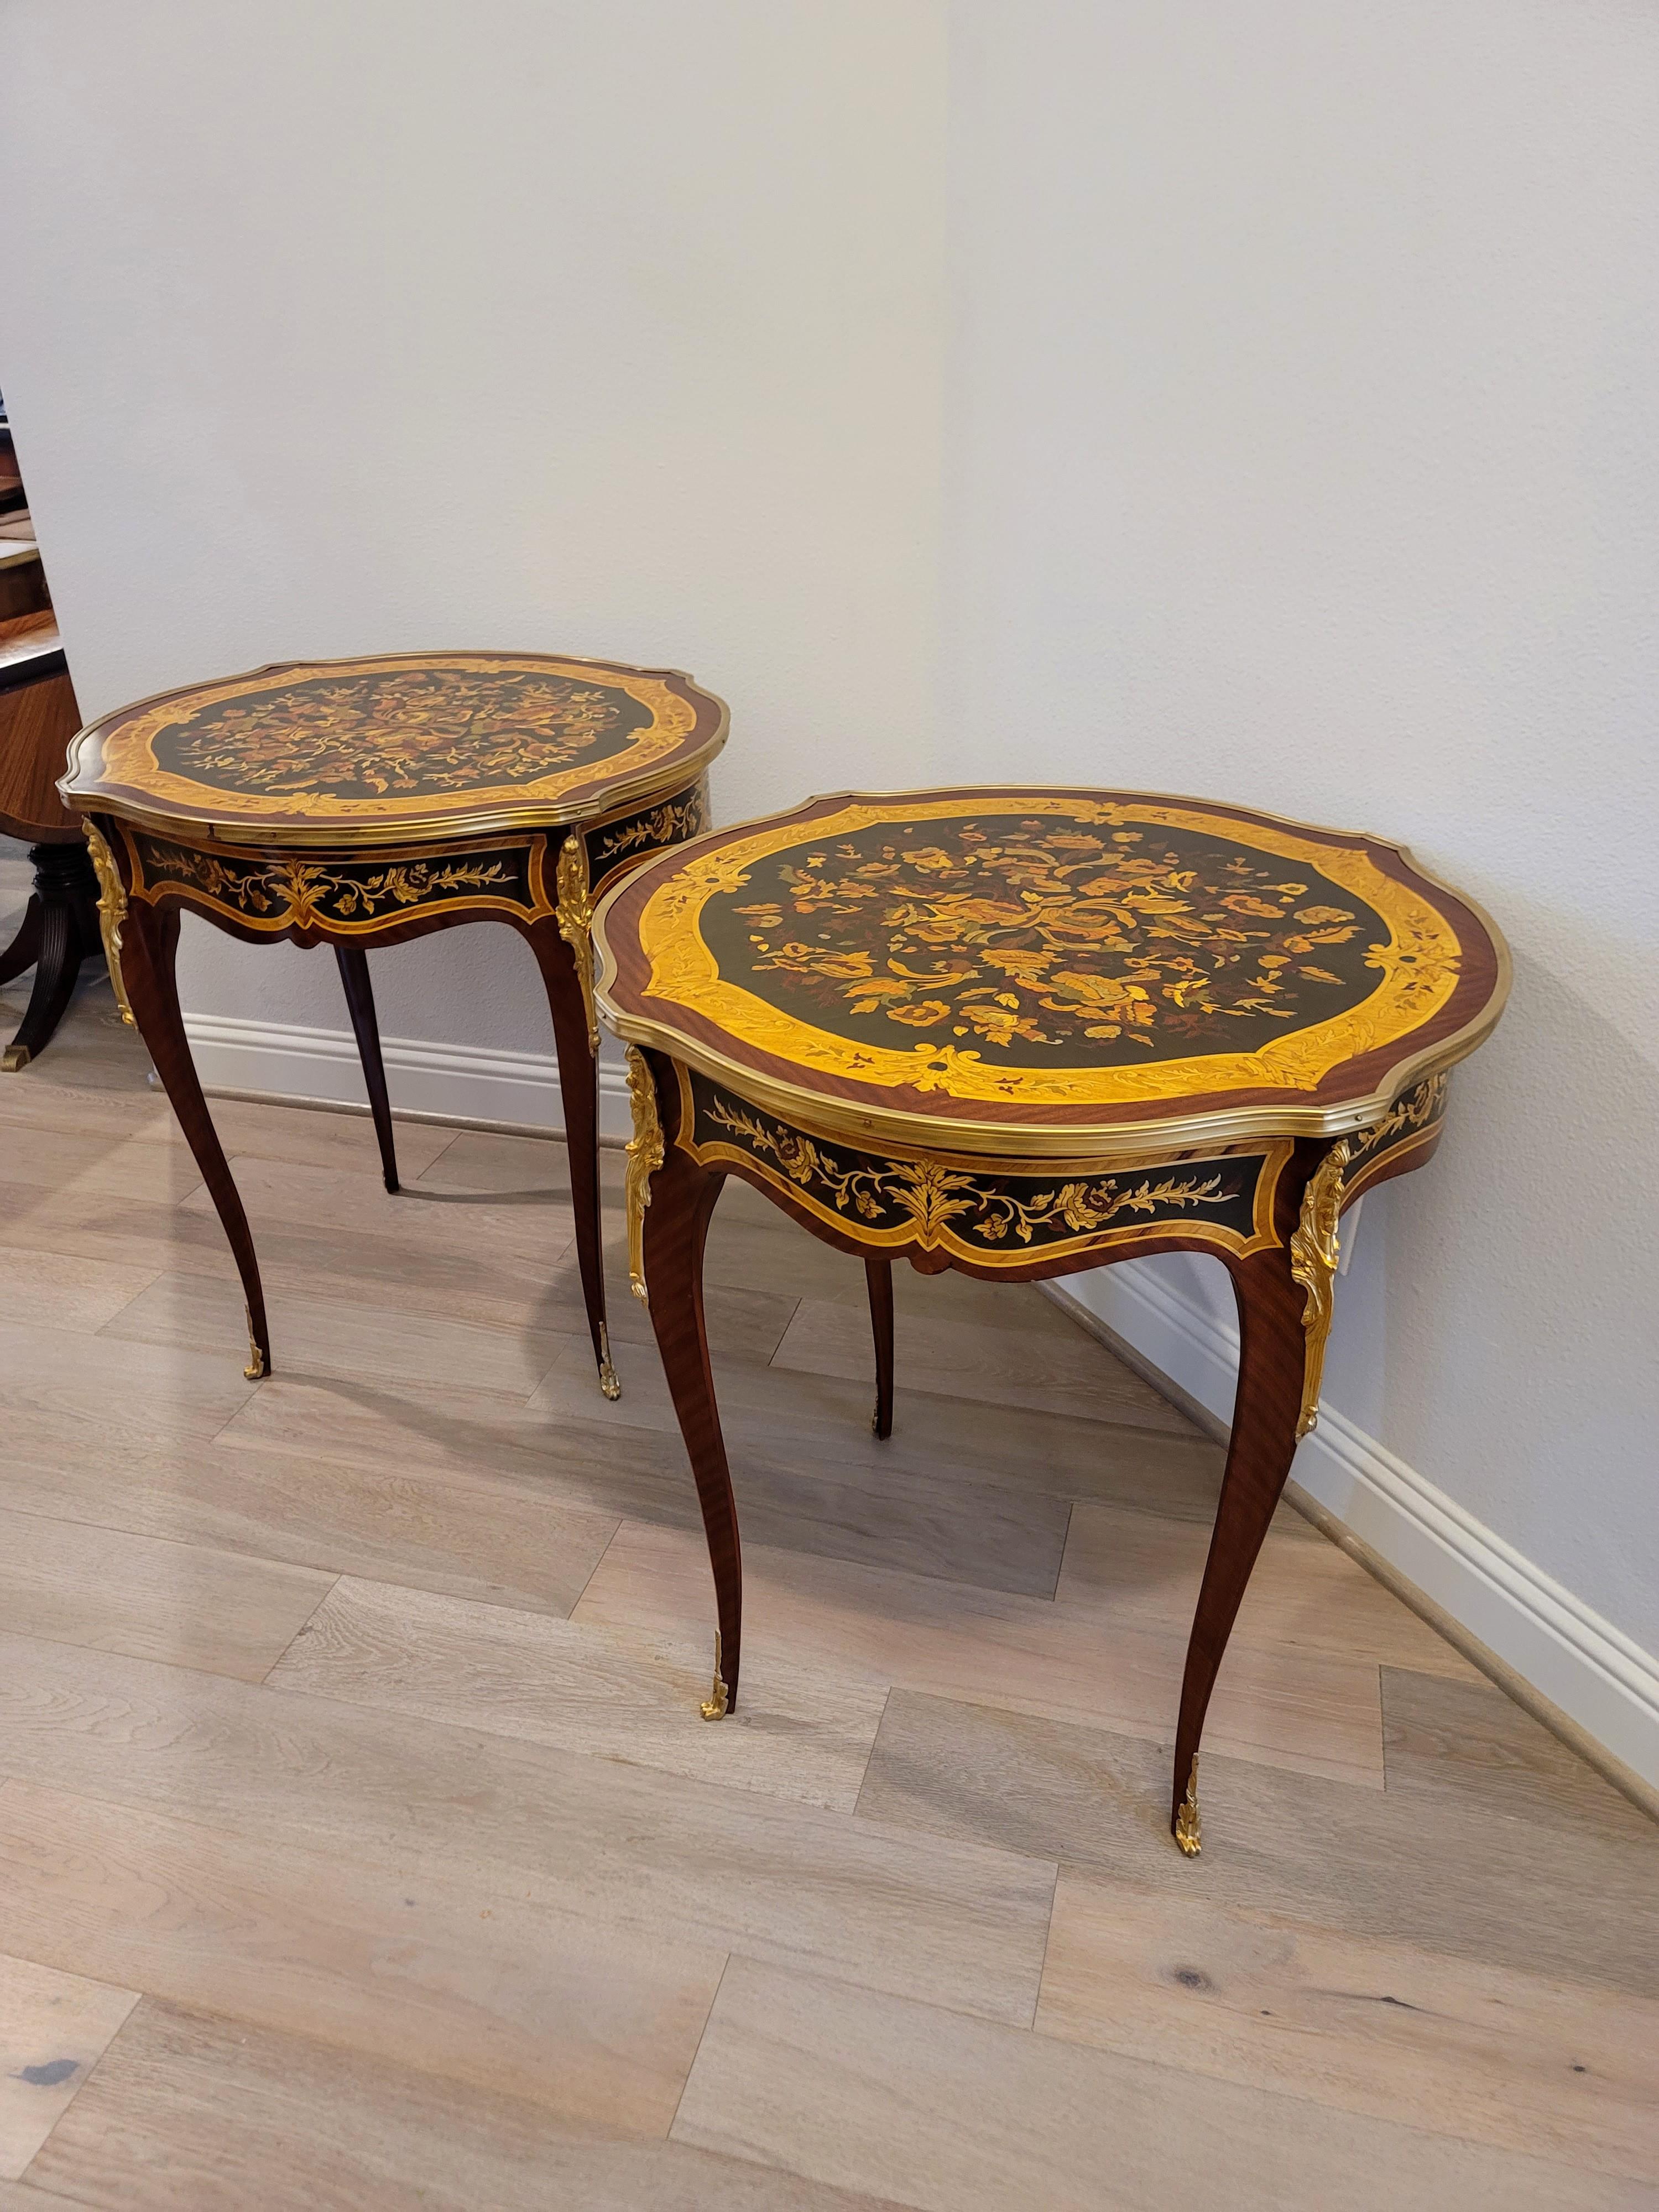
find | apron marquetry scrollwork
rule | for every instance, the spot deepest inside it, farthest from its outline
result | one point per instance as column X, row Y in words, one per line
column 978, row 1211
column 621, row 844
column 348, row 894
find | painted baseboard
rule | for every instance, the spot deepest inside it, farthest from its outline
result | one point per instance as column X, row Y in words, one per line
column 459, row 1082
column 1604, row 1684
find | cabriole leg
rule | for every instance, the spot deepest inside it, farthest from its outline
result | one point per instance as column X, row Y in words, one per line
column 681, row 1199
column 579, row 1092
column 1264, row 1437
column 359, row 1000
column 148, row 950
column 878, row 1275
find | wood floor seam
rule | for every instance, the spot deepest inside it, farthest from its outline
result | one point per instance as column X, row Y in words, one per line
column 1417, row 2119
column 1048, row 1938
column 81, row 2086
column 725, row 1967
column 301, row 1629
column 598, row 1563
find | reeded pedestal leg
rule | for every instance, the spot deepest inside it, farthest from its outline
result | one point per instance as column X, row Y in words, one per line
column 25, row 948
column 360, row 1000
column 579, row 1091
column 878, row 1275
column 149, row 945
column 681, row 1200
column 60, row 929
column 1272, row 1351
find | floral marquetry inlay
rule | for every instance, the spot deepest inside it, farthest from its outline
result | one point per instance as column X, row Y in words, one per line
column 288, row 893
column 1036, row 950
column 669, row 823
column 400, row 732
column 1043, row 941
column 489, row 739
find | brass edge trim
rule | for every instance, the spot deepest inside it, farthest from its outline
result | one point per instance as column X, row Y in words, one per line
column 111, row 913
column 204, row 836
column 575, row 915
column 196, row 839
column 97, row 726
column 1105, row 1146
column 1149, row 1156
column 644, row 1157
column 618, row 797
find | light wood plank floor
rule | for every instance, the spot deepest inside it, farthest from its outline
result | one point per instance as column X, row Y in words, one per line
column 360, row 1847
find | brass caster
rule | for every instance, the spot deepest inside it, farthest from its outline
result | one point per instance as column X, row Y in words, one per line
column 717, row 1704
column 13, row 1057
column 1187, row 1834
column 607, row 1382
column 256, row 1368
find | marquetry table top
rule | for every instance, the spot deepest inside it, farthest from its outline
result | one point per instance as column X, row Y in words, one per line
column 985, row 969
column 395, row 746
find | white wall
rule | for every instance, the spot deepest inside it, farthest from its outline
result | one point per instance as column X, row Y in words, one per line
column 1304, row 430
column 1249, row 396
column 358, row 325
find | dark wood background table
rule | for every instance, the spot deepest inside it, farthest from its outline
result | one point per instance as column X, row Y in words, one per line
column 1023, row 1032
column 59, row 929
column 367, row 802
column 38, row 718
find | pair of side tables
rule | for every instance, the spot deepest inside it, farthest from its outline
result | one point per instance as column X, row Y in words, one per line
column 1012, row 1031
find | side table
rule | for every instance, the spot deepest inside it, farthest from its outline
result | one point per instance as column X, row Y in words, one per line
column 367, row 802
column 1021, row 1032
